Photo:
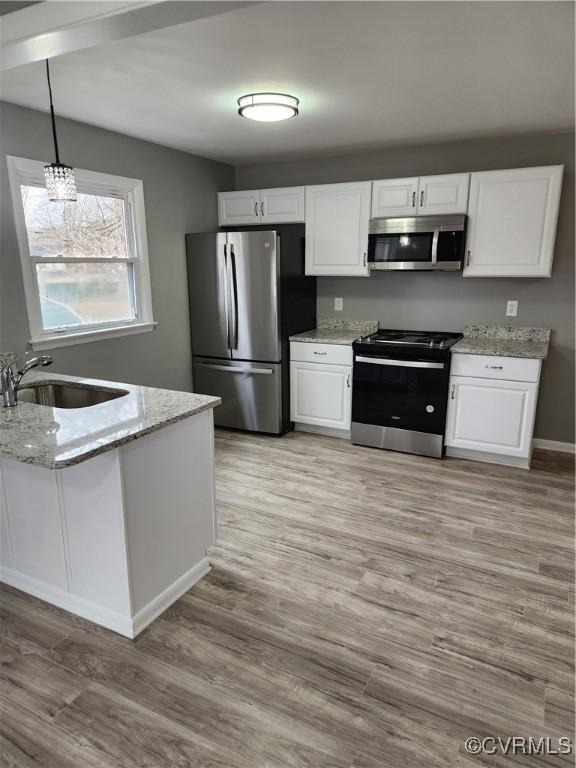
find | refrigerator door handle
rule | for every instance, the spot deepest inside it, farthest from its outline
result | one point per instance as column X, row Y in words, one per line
column 232, row 301
column 230, row 369
column 225, row 292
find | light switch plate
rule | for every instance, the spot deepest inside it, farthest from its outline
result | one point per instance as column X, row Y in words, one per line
column 338, row 305
column 512, row 309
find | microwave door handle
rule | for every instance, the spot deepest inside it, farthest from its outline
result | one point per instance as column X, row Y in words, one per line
column 434, row 253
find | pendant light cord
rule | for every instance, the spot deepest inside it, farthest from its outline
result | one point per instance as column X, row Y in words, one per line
column 52, row 113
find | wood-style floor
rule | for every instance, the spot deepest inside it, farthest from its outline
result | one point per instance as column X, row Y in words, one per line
column 365, row 609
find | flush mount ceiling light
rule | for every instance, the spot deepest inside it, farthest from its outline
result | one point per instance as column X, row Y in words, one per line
column 60, row 181
column 268, row 107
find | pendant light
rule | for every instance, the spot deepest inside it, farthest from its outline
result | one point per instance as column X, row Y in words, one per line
column 268, row 107
column 60, row 181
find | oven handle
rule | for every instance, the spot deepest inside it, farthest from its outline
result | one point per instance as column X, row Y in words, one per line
column 399, row 363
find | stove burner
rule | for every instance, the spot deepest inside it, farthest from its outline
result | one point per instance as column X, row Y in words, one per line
column 413, row 338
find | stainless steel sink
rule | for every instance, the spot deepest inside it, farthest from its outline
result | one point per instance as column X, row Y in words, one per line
column 60, row 395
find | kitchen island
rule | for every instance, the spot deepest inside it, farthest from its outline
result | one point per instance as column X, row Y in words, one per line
column 107, row 509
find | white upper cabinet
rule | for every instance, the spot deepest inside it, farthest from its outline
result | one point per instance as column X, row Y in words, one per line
column 394, row 197
column 443, row 194
column 261, row 206
column 337, row 217
column 239, row 207
column 512, row 219
column 420, row 195
column 282, row 205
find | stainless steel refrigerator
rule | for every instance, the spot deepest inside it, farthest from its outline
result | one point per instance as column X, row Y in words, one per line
column 248, row 294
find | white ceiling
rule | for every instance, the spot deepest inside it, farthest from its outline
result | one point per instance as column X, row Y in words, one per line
column 368, row 74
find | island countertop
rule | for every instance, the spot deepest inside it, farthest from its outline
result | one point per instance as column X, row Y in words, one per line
column 59, row 437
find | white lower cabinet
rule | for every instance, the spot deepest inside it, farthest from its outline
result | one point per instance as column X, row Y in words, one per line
column 491, row 419
column 321, row 392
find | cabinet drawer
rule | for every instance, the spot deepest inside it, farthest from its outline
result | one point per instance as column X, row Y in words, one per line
column 493, row 367
column 332, row 354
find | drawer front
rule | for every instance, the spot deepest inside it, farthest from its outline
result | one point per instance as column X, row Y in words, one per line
column 309, row 352
column 493, row 367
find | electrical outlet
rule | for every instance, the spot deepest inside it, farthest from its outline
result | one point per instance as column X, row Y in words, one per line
column 338, row 305
column 512, row 309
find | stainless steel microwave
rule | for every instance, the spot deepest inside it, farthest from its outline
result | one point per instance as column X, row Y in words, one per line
column 421, row 242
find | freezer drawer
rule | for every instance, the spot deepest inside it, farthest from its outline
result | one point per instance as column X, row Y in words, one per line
column 251, row 392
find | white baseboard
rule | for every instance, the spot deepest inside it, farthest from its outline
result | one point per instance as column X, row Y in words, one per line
column 489, row 458
column 158, row 605
column 315, row 430
column 113, row 620
column 117, row 622
column 554, row 445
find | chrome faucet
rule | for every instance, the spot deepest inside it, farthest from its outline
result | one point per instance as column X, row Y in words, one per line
column 11, row 381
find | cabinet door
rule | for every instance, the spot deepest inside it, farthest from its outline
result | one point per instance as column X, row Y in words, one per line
column 239, row 207
column 443, row 194
column 395, row 197
column 321, row 394
column 512, row 222
column 282, row 205
column 491, row 416
column 337, row 217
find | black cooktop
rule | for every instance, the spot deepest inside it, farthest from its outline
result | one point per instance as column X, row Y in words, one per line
column 394, row 338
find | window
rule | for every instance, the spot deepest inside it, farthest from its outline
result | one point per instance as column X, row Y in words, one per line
column 84, row 264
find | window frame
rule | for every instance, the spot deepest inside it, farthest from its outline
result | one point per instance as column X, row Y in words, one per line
column 22, row 171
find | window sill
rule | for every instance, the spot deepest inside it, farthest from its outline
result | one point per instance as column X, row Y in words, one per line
column 56, row 340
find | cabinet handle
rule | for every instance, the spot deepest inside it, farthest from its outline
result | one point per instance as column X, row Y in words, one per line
column 467, row 258
column 321, row 353
column 255, row 209
column 495, row 367
column 262, row 209
column 421, row 198
column 348, row 381
column 453, row 391
column 364, row 258
column 413, row 199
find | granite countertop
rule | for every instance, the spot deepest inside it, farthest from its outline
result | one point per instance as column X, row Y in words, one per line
column 325, row 336
column 60, row 437
column 331, row 331
column 530, row 343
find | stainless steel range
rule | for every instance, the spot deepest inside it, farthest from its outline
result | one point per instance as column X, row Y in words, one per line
column 400, row 391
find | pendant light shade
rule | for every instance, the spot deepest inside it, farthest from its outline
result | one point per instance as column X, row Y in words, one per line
column 268, row 107
column 60, row 181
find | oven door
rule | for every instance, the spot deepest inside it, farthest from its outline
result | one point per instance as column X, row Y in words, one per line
column 400, row 393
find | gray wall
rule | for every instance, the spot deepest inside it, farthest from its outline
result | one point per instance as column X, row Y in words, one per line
column 180, row 196
column 444, row 301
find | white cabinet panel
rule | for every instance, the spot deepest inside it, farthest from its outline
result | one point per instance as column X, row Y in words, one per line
column 491, row 416
column 495, row 367
column 33, row 523
column 321, row 394
column 512, row 219
column 337, row 217
column 92, row 500
column 394, row 197
column 282, row 206
column 438, row 195
column 312, row 352
column 239, row 207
